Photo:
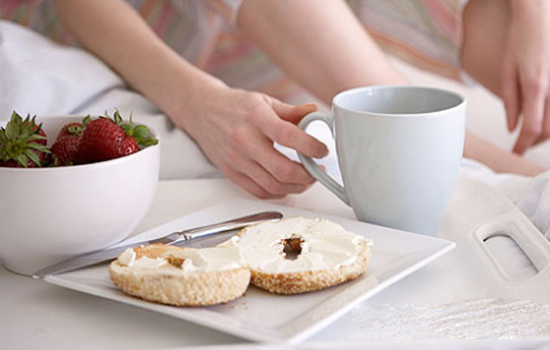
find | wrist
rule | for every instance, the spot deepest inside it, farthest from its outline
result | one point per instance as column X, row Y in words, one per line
column 188, row 97
column 178, row 88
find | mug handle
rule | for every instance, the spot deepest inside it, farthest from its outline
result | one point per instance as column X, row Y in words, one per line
column 312, row 168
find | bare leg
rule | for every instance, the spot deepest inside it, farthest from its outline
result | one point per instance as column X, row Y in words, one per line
column 318, row 43
column 482, row 52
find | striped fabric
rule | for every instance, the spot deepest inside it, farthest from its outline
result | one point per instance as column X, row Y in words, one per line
column 190, row 27
column 39, row 15
column 426, row 33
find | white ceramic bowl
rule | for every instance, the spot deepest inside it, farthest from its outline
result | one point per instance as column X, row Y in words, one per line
column 50, row 214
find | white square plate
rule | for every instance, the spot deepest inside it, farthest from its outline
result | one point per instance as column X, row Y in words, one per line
column 266, row 317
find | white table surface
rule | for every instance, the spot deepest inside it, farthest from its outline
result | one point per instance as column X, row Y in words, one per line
column 35, row 314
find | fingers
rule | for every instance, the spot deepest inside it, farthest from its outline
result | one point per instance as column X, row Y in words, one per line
column 282, row 131
column 288, row 134
column 272, row 185
column 249, row 185
column 256, row 180
column 265, row 172
column 280, row 167
column 510, row 96
column 291, row 113
column 534, row 97
column 274, row 172
column 291, row 136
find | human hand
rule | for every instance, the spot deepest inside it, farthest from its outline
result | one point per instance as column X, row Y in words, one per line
column 237, row 129
column 526, row 72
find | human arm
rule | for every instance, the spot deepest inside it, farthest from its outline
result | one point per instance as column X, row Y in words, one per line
column 526, row 72
column 236, row 129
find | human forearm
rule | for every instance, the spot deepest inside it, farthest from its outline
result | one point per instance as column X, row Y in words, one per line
column 116, row 33
column 499, row 160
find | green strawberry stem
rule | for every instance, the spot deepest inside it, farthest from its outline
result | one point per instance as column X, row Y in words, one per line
column 140, row 132
column 20, row 141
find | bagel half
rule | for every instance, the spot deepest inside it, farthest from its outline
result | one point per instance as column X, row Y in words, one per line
column 181, row 276
column 324, row 254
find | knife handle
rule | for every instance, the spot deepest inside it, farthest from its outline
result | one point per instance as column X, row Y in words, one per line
column 208, row 230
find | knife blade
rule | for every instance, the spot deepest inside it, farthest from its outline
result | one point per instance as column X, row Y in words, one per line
column 176, row 238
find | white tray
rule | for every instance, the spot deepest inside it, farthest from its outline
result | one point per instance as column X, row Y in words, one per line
column 266, row 317
column 518, row 269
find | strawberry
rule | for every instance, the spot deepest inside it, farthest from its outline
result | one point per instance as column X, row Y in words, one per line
column 130, row 146
column 100, row 141
column 65, row 148
column 108, row 138
column 22, row 143
column 74, row 128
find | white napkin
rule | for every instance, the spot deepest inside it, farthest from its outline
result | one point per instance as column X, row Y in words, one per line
column 530, row 194
column 532, row 197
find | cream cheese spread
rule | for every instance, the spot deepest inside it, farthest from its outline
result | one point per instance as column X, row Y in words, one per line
column 210, row 259
column 192, row 260
column 128, row 258
column 323, row 245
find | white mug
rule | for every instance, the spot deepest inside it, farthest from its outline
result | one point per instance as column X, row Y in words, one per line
column 399, row 150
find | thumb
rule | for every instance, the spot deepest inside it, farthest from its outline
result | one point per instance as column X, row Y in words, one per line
column 292, row 113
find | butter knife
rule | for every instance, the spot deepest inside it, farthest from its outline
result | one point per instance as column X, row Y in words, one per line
column 175, row 238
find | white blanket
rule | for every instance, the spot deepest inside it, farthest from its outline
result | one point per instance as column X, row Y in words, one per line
column 43, row 78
